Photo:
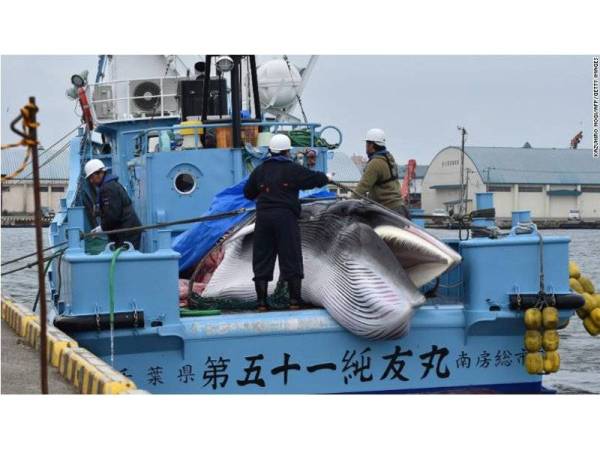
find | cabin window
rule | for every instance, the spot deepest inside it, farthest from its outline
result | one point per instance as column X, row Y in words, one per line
column 5, row 188
column 58, row 189
column 43, row 188
column 185, row 183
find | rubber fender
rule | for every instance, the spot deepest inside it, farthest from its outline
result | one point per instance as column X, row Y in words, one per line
column 595, row 316
column 591, row 327
column 550, row 318
column 587, row 284
column 575, row 285
column 534, row 363
column 533, row 319
column 574, row 271
column 551, row 362
column 533, row 341
column 550, row 340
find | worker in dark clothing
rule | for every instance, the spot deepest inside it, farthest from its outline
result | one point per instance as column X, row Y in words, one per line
column 114, row 205
column 275, row 185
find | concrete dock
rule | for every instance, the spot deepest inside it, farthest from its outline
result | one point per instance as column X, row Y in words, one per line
column 21, row 368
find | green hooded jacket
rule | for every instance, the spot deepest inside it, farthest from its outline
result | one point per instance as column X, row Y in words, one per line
column 380, row 183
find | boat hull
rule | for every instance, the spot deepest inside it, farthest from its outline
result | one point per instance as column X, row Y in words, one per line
column 306, row 352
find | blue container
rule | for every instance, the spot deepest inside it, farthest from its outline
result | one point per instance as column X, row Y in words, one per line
column 484, row 200
column 523, row 216
column 417, row 218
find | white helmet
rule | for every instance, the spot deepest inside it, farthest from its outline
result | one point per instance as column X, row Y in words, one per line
column 376, row 135
column 279, row 143
column 93, row 166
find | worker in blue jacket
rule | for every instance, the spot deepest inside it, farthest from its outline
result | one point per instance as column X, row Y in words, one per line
column 275, row 185
column 114, row 205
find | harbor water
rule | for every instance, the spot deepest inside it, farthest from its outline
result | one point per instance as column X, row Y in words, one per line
column 580, row 353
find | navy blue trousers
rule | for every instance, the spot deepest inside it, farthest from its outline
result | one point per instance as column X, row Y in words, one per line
column 277, row 234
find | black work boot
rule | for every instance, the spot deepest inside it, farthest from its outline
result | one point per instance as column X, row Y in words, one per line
column 295, row 290
column 261, row 295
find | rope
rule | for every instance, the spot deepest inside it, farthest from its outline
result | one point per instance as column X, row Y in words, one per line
column 27, row 266
column 56, row 255
column 25, row 116
column 21, row 168
column 285, row 58
column 176, row 222
column 26, row 161
column 31, row 254
column 363, row 197
column 126, row 230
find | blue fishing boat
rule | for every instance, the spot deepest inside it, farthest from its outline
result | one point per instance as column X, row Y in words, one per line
column 180, row 145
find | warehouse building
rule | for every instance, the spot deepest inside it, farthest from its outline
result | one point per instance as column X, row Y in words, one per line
column 549, row 182
column 17, row 194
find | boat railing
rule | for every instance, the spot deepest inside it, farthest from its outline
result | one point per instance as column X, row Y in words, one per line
column 133, row 99
column 144, row 134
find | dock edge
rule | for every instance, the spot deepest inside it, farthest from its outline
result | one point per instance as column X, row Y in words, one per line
column 80, row 367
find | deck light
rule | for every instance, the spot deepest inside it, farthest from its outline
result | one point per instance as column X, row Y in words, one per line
column 224, row 64
column 80, row 79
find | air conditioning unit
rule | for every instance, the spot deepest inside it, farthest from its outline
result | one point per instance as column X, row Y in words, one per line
column 145, row 97
column 104, row 104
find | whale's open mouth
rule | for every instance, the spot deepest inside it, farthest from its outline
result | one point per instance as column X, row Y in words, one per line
column 422, row 259
column 361, row 263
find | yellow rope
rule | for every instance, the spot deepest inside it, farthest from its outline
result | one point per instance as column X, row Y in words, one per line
column 21, row 167
column 30, row 143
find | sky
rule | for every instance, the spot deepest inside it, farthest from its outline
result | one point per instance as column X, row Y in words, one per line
column 418, row 100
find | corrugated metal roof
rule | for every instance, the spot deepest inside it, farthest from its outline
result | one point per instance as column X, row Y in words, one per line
column 54, row 165
column 345, row 170
column 535, row 165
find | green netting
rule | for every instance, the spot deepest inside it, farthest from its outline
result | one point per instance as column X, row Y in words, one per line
column 187, row 312
column 301, row 138
column 279, row 300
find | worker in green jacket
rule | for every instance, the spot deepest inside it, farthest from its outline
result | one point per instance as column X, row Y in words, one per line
column 380, row 177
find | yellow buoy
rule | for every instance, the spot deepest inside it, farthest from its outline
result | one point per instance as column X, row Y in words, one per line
column 576, row 286
column 591, row 327
column 595, row 316
column 574, row 271
column 550, row 340
column 550, row 317
column 551, row 362
column 590, row 304
column 534, row 363
column 586, row 284
column 533, row 341
column 533, row 319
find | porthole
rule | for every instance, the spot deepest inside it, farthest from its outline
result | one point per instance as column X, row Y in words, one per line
column 185, row 183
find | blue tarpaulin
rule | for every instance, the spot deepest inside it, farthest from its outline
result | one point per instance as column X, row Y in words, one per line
column 194, row 243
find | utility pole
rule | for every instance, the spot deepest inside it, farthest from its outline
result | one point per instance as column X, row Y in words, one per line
column 463, row 133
